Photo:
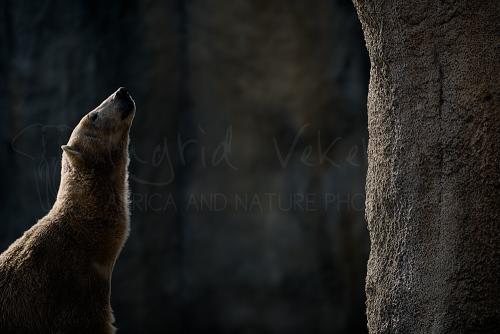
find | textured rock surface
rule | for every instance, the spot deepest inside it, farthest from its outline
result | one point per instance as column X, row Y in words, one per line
column 267, row 74
column 433, row 181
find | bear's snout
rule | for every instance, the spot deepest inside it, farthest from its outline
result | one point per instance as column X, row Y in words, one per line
column 125, row 102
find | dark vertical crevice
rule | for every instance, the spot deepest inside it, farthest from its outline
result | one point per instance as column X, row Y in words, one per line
column 443, row 256
column 439, row 70
column 185, row 128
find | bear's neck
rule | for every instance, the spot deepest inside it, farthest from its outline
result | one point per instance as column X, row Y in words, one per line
column 93, row 195
column 94, row 207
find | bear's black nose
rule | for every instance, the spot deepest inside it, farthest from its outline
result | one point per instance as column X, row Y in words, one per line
column 122, row 92
column 125, row 103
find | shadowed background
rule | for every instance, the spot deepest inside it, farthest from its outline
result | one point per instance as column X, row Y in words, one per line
column 247, row 153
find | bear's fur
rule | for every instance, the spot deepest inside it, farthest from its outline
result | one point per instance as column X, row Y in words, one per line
column 56, row 277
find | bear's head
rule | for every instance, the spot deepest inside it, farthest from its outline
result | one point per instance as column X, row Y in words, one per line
column 100, row 140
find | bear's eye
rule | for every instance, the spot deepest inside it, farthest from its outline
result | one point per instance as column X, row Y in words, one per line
column 93, row 116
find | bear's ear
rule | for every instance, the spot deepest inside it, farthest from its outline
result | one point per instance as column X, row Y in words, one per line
column 72, row 152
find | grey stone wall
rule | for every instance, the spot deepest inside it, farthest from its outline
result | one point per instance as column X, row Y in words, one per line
column 433, row 181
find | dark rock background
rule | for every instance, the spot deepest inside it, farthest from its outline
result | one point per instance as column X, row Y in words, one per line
column 225, row 236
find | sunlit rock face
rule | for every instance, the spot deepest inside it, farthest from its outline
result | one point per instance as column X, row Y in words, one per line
column 433, row 182
column 248, row 156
